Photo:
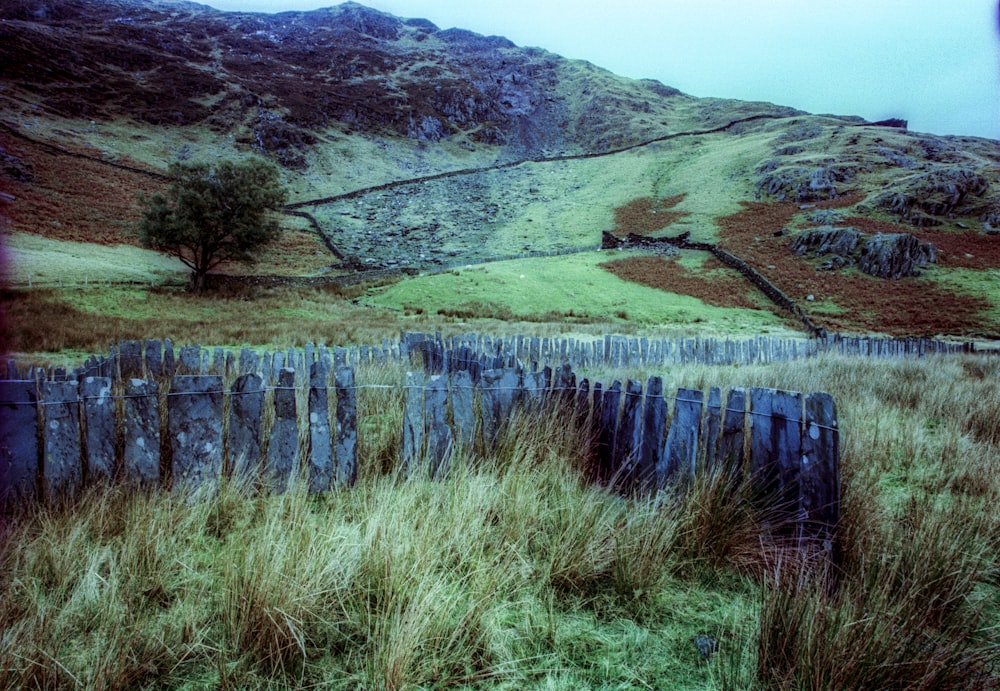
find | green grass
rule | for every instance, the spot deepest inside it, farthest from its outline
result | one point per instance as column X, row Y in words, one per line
column 572, row 286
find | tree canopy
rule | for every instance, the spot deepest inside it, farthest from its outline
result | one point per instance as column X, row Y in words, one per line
column 214, row 213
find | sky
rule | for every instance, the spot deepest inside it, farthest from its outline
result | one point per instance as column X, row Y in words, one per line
column 935, row 63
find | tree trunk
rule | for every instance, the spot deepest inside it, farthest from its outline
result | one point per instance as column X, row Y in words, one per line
column 197, row 282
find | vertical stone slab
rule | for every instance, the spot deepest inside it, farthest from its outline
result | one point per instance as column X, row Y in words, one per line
column 608, row 432
column 246, row 411
column 141, row 455
column 654, row 427
column 247, row 362
column 775, row 445
column 218, row 366
column 500, row 393
column 62, row 467
column 99, row 421
column 154, row 358
column 628, row 439
column 169, row 363
column 582, row 403
column 564, row 384
column 321, row 467
column 283, row 442
column 439, row 438
column 194, row 408
column 680, row 455
column 19, row 461
column 130, row 359
column 713, row 429
column 347, row 427
column 190, row 361
column 278, row 364
column 820, row 470
column 731, row 458
column 535, row 386
column 413, row 422
column 340, row 356
column 463, row 410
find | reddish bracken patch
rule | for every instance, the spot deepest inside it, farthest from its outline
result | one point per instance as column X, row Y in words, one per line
column 646, row 215
column 911, row 306
column 76, row 199
column 714, row 284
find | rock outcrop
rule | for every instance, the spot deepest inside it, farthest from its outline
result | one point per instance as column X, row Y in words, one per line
column 885, row 255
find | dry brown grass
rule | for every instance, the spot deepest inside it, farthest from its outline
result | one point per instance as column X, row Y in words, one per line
column 907, row 307
column 713, row 283
column 645, row 215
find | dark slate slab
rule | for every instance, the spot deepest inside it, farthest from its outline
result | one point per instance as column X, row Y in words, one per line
column 713, row 429
column 680, row 456
column 283, row 442
column 99, row 419
column 62, row 467
column 195, row 426
column 19, row 457
column 732, row 457
column 654, row 427
column 141, row 455
column 607, row 435
column 321, row 467
column 154, row 358
column 130, row 359
column 347, row 427
column 413, row 423
column 820, row 469
column 439, row 437
column 246, row 412
column 627, row 441
column 463, row 410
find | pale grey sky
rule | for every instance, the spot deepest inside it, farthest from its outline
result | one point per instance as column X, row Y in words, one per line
column 935, row 63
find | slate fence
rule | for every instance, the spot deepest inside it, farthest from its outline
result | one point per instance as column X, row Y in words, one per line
column 160, row 358
column 258, row 420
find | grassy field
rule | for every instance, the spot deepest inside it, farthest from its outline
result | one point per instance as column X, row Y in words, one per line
column 572, row 288
column 514, row 573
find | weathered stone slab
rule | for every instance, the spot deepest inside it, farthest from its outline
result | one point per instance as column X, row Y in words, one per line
column 154, row 358
column 130, row 359
column 607, row 435
column 713, row 429
column 500, row 388
column 99, row 419
column 246, row 412
column 189, row 361
column 731, row 458
column 321, row 467
column 283, row 442
column 169, row 365
column 195, row 427
column 654, row 426
column 141, row 455
column 775, row 445
column 627, row 441
column 19, row 460
column 413, row 423
column 463, row 410
column 820, row 469
column 347, row 427
column 439, row 438
column 680, row 454
column 62, row 467
column 218, row 362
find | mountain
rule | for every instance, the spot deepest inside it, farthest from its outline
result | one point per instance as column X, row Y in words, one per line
column 404, row 145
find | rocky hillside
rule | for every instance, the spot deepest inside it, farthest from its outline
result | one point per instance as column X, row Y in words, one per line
column 407, row 146
column 276, row 81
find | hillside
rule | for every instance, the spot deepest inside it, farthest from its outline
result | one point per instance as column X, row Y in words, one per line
column 409, row 147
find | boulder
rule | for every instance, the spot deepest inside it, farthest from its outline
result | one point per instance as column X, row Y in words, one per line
column 828, row 240
column 895, row 255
